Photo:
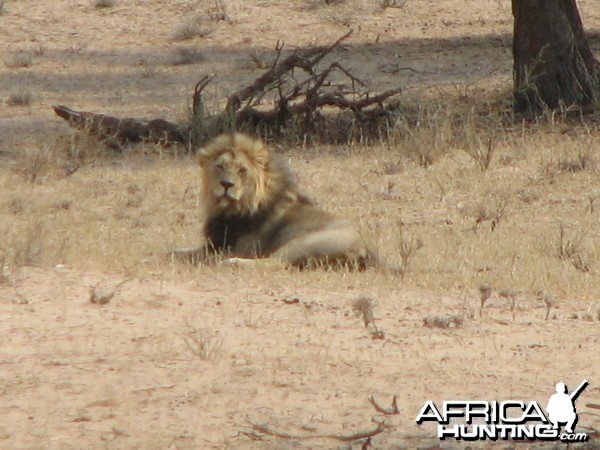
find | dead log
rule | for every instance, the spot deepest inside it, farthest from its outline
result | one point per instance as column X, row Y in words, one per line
column 128, row 130
column 303, row 97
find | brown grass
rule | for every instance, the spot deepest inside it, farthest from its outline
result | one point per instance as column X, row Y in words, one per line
column 191, row 28
column 456, row 222
column 18, row 60
column 20, row 96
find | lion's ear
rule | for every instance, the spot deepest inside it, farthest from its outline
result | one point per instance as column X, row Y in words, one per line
column 255, row 149
column 214, row 147
column 261, row 155
column 202, row 159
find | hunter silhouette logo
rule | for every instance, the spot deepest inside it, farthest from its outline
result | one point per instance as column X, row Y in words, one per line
column 507, row 420
column 561, row 406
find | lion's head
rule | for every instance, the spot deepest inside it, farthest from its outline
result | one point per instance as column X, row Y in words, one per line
column 240, row 177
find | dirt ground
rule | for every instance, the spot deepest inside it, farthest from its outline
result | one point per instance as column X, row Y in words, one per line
column 183, row 357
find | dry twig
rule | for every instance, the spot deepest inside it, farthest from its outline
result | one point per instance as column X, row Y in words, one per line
column 387, row 411
column 265, row 429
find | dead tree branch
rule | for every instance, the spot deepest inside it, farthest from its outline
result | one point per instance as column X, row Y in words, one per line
column 128, row 130
column 302, row 97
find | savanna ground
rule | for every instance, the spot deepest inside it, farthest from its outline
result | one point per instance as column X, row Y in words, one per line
column 184, row 357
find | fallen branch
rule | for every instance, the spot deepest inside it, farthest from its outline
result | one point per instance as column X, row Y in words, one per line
column 265, row 429
column 303, row 104
column 387, row 411
column 126, row 130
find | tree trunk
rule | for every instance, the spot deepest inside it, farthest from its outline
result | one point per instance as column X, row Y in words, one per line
column 553, row 63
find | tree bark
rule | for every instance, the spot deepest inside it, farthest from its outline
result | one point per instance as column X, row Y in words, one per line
column 553, row 63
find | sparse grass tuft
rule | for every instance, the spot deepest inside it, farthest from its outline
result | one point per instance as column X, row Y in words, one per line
column 583, row 161
column 187, row 55
column 570, row 250
column 205, row 344
column 407, row 249
column 219, row 12
column 193, row 27
column 29, row 245
column 259, row 61
column 392, row 3
column 20, row 95
column 482, row 154
column 2, row 7
column 99, row 4
column 490, row 208
column 18, row 60
column 34, row 163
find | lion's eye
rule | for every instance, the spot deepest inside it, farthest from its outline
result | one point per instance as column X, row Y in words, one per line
column 243, row 170
column 220, row 166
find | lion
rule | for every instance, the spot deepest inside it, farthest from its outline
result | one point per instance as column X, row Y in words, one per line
column 254, row 210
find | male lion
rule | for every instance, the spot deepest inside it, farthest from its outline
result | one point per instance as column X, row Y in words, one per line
column 254, row 210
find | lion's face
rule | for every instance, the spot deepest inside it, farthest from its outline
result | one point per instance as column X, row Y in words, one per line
column 235, row 174
column 228, row 175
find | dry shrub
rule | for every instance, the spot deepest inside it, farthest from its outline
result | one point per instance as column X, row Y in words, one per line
column 193, row 27
column 204, row 343
column 408, row 246
column 18, row 60
column 569, row 249
column 186, row 56
column 219, row 12
column 489, row 208
column 20, row 95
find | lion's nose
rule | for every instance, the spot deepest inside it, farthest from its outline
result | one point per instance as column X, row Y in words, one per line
column 226, row 184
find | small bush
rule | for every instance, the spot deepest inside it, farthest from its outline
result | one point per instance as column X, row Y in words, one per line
column 191, row 29
column 570, row 250
column 18, row 60
column 19, row 96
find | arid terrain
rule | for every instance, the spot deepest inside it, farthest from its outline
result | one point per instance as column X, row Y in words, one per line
column 106, row 343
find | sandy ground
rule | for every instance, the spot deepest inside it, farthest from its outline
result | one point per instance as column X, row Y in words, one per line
column 191, row 358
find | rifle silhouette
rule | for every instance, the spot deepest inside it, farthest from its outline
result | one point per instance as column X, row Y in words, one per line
column 578, row 391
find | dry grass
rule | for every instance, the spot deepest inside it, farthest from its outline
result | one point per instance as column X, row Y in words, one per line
column 191, row 28
column 392, row 3
column 20, row 95
column 18, row 60
column 187, row 55
column 457, row 222
column 104, row 3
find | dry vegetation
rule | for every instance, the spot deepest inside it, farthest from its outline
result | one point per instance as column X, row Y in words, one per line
column 488, row 223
